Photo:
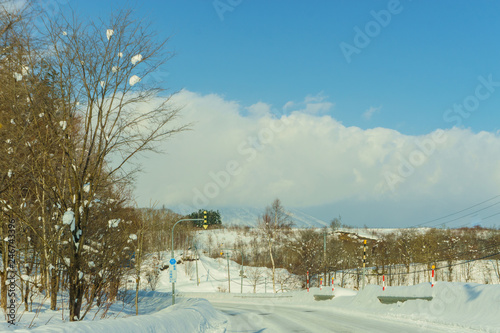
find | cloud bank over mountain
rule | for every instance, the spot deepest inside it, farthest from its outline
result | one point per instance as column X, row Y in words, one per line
column 237, row 155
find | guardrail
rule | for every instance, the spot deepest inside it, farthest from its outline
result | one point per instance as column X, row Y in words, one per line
column 323, row 297
column 395, row 299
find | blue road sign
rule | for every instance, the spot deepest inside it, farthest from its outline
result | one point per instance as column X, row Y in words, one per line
column 172, row 261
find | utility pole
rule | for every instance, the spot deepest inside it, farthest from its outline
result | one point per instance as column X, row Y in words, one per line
column 324, row 255
column 242, row 266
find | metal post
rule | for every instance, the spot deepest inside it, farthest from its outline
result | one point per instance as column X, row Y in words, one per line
column 241, row 272
column 364, row 260
column 172, row 253
column 197, row 257
column 228, row 274
column 432, row 281
column 242, row 266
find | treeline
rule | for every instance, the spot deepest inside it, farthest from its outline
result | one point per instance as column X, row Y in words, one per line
column 77, row 105
column 325, row 251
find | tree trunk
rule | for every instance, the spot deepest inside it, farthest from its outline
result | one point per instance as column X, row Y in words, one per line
column 75, row 299
column 272, row 263
column 54, row 288
column 76, row 289
column 137, row 283
column 3, row 274
column 3, row 294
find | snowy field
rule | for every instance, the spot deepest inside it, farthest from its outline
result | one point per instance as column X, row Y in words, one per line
column 455, row 307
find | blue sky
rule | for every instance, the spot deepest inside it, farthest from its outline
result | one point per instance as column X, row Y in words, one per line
column 285, row 58
column 426, row 59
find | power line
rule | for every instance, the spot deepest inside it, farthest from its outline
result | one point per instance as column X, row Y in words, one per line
column 484, row 218
column 426, row 270
column 458, row 212
column 469, row 214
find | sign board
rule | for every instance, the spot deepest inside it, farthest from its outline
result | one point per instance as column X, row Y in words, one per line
column 172, row 271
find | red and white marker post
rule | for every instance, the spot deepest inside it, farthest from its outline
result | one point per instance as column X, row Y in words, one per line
column 333, row 286
column 432, row 281
column 383, row 282
column 320, row 283
column 307, row 281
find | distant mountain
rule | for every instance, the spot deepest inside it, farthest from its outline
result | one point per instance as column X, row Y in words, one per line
column 247, row 216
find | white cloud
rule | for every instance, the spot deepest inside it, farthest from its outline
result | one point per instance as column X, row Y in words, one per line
column 369, row 113
column 259, row 109
column 307, row 159
column 288, row 105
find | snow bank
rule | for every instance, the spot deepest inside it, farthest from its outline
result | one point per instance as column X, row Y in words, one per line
column 468, row 305
column 193, row 315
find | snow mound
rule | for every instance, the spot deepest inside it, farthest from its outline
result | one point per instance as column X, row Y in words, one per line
column 193, row 315
column 469, row 305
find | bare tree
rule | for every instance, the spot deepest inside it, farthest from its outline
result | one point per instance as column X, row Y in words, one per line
column 254, row 274
column 109, row 113
column 272, row 224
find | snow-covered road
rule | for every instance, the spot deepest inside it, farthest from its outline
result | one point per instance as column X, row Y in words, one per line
column 265, row 317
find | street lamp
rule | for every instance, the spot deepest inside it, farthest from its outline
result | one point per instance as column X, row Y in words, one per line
column 172, row 260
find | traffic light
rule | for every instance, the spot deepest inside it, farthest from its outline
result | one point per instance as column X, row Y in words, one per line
column 205, row 223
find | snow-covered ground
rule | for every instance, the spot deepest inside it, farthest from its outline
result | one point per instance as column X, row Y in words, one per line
column 455, row 307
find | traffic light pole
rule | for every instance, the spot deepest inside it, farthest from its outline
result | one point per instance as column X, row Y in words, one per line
column 172, row 250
